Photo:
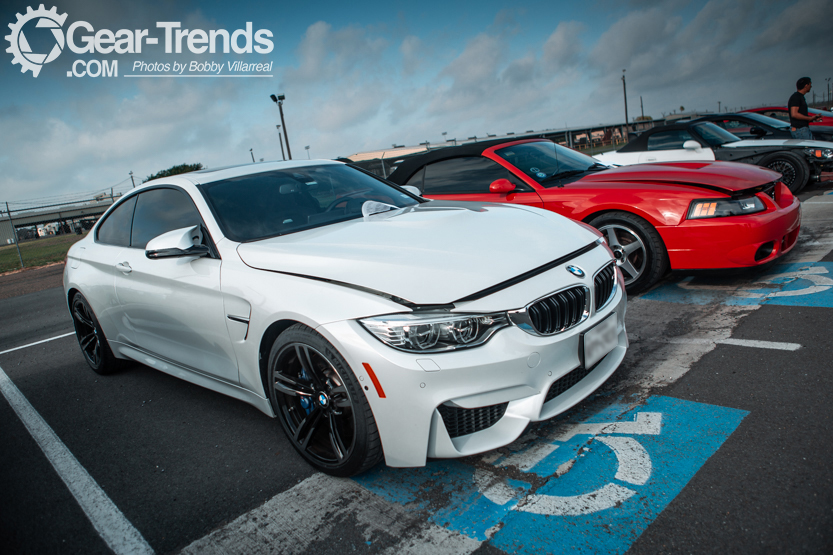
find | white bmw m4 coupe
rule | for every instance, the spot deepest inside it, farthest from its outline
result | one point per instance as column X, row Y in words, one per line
column 373, row 323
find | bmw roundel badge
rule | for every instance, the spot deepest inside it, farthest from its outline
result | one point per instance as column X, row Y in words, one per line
column 322, row 398
column 576, row 271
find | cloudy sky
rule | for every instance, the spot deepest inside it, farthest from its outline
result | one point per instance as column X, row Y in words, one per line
column 363, row 75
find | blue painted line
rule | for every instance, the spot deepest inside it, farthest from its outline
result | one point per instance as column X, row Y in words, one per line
column 800, row 284
column 448, row 492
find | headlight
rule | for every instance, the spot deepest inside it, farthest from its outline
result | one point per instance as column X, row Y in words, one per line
column 720, row 207
column 434, row 332
column 821, row 153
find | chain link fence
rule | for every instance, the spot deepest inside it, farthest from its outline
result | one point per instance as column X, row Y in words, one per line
column 40, row 231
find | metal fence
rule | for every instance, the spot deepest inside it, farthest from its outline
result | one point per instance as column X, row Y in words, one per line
column 40, row 231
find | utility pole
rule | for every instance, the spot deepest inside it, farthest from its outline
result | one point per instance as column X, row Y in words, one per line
column 14, row 235
column 280, row 138
column 718, row 106
column 279, row 101
column 625, row 91
column 131, row 179
column 642, row 107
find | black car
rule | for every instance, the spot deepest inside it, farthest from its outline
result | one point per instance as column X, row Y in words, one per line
column 798, row 161
column 756, row 126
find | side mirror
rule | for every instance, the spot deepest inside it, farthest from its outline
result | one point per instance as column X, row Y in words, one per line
column 177, row 244
column 501, row 186
column 691, row 145
column 413, row 190
column 757, row 131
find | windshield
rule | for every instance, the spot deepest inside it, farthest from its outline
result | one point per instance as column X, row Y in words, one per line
column 766, row 120
column 821, row 112
column 273, row 203
column 714, row 135
column 545, row 160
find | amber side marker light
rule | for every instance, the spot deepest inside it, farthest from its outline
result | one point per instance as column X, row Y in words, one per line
column 706, row 209
column 375, row 380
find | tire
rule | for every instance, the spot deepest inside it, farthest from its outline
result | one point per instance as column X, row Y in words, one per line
column 794, row 171
column 91, row 338
column 639, row 250
column 320, row 404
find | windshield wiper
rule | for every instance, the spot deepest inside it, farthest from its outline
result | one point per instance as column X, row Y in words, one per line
column 562, row 175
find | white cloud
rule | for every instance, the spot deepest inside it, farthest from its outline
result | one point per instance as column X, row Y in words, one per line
column 563, row 47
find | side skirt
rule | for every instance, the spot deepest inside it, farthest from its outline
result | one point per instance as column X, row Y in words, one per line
column 194, row 377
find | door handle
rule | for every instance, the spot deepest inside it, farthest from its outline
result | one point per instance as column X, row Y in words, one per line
column 124, row 268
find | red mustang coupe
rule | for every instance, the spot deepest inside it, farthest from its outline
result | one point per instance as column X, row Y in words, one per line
column 655, row 217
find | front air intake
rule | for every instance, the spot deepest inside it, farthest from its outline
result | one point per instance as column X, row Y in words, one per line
column 460, row 422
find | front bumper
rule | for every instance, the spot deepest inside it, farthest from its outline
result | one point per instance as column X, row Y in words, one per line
column 735, row 241
column 512, row 368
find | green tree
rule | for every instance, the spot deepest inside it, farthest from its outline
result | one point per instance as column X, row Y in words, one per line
column 182, row 168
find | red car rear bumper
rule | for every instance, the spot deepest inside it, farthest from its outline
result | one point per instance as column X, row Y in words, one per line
column 735, row 241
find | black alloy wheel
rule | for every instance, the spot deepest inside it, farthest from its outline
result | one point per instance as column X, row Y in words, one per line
column 320, row 405
column 91, row 338
column 637, row 247
column 795, row 172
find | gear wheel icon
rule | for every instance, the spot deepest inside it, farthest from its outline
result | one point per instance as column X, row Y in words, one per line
column 19, row 46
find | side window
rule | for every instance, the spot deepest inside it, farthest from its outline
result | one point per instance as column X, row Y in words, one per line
column 669, row 140
column 739, row 128
column 115, row 230
column 159, row 211
column 472, row 174
column 779, row 114
column 416, row 179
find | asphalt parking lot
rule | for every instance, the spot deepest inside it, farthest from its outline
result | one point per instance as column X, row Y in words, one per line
column 714, row 436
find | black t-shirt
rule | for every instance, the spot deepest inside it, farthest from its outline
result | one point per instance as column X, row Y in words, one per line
column 797, row 99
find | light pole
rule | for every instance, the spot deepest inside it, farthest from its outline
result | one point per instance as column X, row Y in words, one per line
column 718, row 106
column 828, row 90
column 131, row 179
column 253, row 154
column 280, row 138
column 625, row 91
column 307, row 149
column 279, row 101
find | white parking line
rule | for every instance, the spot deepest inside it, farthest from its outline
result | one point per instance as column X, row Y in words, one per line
column 777, row 345
column 108, row 520
column 37, row 343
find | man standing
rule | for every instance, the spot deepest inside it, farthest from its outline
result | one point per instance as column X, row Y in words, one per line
column 799, row 118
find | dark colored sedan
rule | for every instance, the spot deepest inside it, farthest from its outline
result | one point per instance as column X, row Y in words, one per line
column 751, row 125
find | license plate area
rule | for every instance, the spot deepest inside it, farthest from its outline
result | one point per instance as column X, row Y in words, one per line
column 598, row 341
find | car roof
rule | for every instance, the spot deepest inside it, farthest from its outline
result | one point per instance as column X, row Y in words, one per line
column 413, row 162
column 640, row 142
column 227, row 172
column 715, row 117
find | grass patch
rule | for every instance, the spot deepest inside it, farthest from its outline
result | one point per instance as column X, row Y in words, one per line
column 37, row 252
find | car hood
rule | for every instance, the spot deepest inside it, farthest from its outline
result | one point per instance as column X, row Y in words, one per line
column 778, row 143
column 434, row 253
column 726, row 176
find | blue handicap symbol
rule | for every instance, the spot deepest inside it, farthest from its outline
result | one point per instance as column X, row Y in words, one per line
column 593, row 485
column 797, row 284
